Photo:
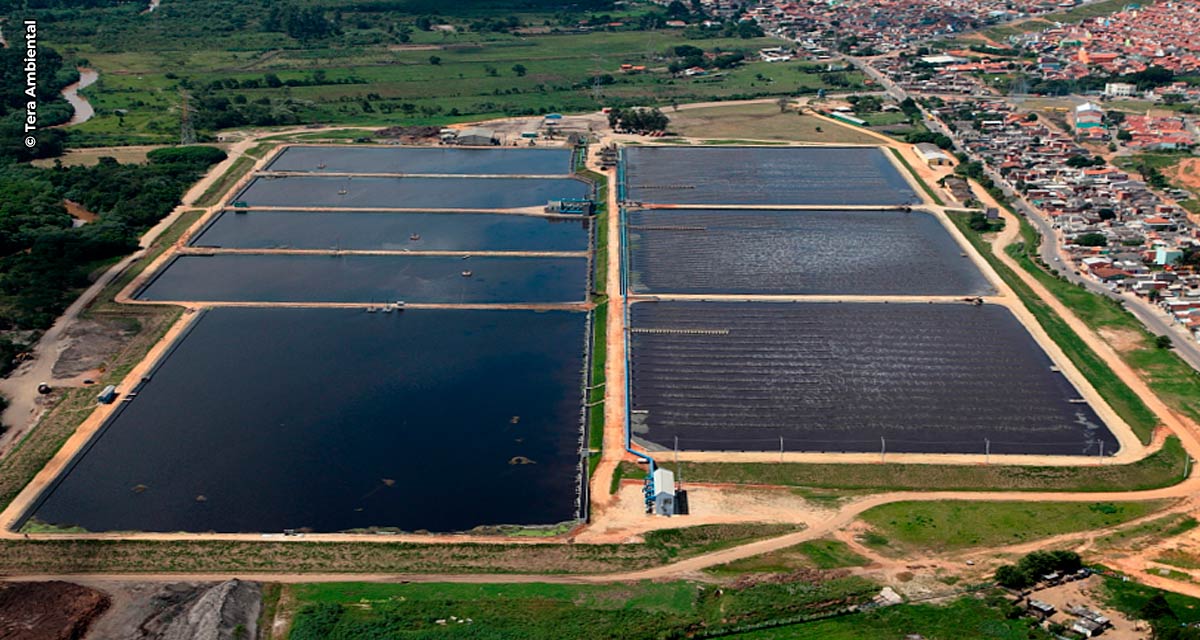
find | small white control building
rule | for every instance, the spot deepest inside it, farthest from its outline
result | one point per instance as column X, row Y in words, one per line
column 664, row 492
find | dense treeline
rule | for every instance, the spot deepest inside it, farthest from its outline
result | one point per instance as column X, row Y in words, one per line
column 45, row 259
column 52, row 76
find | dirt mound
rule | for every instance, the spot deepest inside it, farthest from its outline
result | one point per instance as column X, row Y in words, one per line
column 182, row 611
column 90, row 343
column 410, row 134
column 48, row 610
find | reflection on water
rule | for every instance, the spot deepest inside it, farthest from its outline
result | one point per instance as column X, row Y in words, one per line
column 939, row 378
column 262, row 420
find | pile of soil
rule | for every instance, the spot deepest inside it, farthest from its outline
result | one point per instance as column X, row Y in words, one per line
column 182, row 611
column 48, row 610
column 408, row 134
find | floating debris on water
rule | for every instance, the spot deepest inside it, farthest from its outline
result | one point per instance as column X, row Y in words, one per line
column 521, row 460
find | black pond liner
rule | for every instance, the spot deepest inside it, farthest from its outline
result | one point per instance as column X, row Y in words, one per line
column 830, row 377
column 368, row 278
column 853, row 252
column 828, row 176
column 262, row 420
column 359, row 230
column 423, row 160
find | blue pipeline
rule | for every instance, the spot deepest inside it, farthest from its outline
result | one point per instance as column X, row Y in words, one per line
column 624, row 257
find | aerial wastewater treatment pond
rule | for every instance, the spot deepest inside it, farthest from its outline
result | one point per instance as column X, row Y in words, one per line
column 822, row 176
column 349, row 419
column 369, row 278
column 834, row 377
column 358, row 230
column 422, row 160
column 333, row 419
column 356, row 192
column 852, row 252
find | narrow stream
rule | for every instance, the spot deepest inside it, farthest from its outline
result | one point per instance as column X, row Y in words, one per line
column 83, row 108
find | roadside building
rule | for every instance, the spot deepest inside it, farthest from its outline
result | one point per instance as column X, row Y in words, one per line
column 1119, row 90
column 1087, row 116
column 477, row 137
column 933, row 156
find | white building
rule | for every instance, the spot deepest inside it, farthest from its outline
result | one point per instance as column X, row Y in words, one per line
column 664, row 492
column 1119, row 90
column 933, row 155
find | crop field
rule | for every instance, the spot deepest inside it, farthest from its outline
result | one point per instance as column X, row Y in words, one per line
column 848, row 377
column 797, row 252
column 764, row 176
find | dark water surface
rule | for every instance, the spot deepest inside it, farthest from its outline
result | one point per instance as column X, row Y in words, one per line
column 409, row 193
column 369, row 278
column 262, row 420
column 798, row 252
column 392, row 231
column 763, row 176
column 437, row 160
column 937, row 378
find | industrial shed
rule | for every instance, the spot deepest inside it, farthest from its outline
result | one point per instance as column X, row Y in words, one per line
column 934, row 156
column 477, row 137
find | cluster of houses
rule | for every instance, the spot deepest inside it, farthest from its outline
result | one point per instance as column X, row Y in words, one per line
column 1159, row 34
column 1160, row 133
column 945, row 74
column 886, row 25
column 1113, row 226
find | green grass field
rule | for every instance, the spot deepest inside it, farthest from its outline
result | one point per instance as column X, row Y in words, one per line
column 813, row 554
column 762, row 122
column 966, row 617
column 1129, row 597
column 380, row 85
column 1160, row 469
column 549, row 611
column 951, row 526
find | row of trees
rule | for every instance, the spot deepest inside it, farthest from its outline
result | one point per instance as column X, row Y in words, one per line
column 638, row 119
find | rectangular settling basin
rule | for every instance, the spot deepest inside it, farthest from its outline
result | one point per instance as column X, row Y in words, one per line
column 830, row 377
column 358, row 230
column 828, row 176
column 369, row 278
column 423, row 160
column 408, row 193
column 328, row 420
column 849, row 252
